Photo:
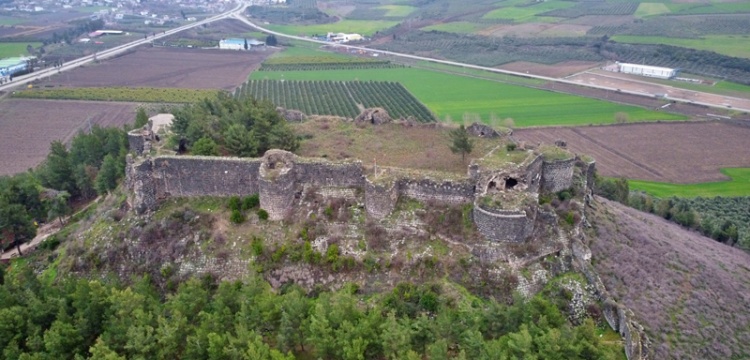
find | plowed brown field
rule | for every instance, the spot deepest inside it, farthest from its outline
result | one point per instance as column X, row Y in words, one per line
column 167, row 67
column 689, row 152
column 27, row 127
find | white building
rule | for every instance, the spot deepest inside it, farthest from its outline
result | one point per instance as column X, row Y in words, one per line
column 646, row 70
column 342, row 38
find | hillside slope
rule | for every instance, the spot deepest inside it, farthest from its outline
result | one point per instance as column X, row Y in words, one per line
column 689, row 292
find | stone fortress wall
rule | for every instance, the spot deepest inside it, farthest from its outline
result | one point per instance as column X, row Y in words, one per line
column 280, row 177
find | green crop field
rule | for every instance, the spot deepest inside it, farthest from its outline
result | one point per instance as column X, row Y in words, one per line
column 459, row 27
column 733, row 87
column 8, row 20
column 363, row 27
column 738, row 186
column 15, row 49
column 710, row 8
column 454, row 96
column 397, row 10
column 732, row 45
column 651, row 9
column 528, row 13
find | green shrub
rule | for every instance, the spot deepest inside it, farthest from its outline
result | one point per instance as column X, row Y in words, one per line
column 332, row 255
column 545, row 199
column 237, row 217
column 511, row 146
column 262, row 214
column 564, row 195
column 279, row 253
column 234, row 203
column 329, row 212
column 570, row 218
column 257, row 246
column 250, row 202
column 50, row 244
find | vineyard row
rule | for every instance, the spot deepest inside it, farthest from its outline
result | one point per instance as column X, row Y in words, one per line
column 337, row 98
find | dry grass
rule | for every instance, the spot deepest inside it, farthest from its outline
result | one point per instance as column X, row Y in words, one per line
column 691, row 293
column 422, row 147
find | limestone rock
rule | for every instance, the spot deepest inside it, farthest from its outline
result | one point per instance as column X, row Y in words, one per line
column 482, row 130
column 291, row 115
column 375, row 116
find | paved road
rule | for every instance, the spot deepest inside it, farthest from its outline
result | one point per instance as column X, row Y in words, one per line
column 70, row 65
column 239, row 16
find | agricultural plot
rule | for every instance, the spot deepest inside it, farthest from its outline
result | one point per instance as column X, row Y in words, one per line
column 331, row 62
column 459, row 27
column 166, row 68
column 527, row 12
column 594, row 8
column 16, row 49
column 731, row 45
column 679, row 26
column 363, row 27
column 692, row 152
column 651, row 9
column 27, row 127
column 337, row 98
column 126, row 94
column 739, row 185
column 453, row 96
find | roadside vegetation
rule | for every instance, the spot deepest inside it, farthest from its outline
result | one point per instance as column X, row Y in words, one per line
column 128, row 94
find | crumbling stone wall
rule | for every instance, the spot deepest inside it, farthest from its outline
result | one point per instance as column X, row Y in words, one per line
column 380, row 200
column 557, row 175
column 139, row 179
column 321, row 173
column 504, row 225
column 136, row 141
column 206, row 176
column 447, row 192
column 534, row 174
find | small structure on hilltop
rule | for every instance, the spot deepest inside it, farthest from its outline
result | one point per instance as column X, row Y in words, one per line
column 240, row 44
column 343, row 38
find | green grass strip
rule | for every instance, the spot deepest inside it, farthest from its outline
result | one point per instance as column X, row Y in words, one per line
column 158, row 95
column 739, row 185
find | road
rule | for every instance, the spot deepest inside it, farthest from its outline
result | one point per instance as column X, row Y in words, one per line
column 477, row 67
column 70, row 65
column 236, row 13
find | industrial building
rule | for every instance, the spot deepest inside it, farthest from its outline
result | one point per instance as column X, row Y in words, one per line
column 343, row 38
column 239, row 44
column 646, row 70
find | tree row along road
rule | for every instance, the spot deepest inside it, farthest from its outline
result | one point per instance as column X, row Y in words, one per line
column 70, row 65
column 238, row 16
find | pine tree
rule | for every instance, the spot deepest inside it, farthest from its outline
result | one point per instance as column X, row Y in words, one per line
column 460, row 142
column 141, row 118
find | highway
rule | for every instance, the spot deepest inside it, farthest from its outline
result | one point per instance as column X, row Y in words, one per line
column 70, row 65
column 239, row 16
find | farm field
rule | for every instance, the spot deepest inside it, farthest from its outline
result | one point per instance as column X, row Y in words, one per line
column 27, row 127
column 337, row 97
column 684, row 152
column 529, row 12
column 459, row 27
column 362, row 27
column 739, row 185
column 558, row 70
column 732, row 45
column 485, row 98
column 397, row 10
column 127, row 94
column 15, row 49
column 166, row 68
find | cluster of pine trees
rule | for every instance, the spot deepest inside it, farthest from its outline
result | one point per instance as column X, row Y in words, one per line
column 202, row 319
column 227, row 126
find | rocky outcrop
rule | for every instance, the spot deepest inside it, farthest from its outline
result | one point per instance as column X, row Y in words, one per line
column 375, row 116
column 291, row 115
column 482, row 130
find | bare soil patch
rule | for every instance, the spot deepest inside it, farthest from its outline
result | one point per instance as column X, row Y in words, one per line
column 640, row 84
column 688, row 152
column 167, row 68
column 521, row 30
column 566, row 30
column 27, row 127
column 558, row 70
column 690, row 292
column 417, row 147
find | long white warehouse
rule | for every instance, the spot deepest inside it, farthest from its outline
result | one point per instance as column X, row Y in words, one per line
column 646, row 70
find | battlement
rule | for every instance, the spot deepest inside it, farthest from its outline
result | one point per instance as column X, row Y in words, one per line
column 280, row 178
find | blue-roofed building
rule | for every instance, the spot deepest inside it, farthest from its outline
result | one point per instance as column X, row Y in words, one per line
column 12, row 66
